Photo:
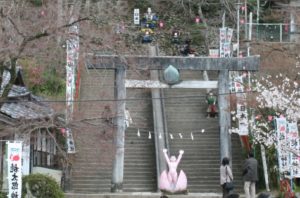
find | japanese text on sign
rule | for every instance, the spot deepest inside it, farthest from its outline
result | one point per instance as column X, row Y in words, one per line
column 14, row 154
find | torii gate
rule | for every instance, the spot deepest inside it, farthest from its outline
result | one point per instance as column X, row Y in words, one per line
column 121, row 63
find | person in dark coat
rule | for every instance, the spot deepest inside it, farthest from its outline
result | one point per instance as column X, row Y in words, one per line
column 233, row 196
column 250, row 175
column 264, row 195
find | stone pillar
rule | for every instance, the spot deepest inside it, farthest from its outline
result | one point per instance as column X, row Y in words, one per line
column 158, row 119
column 119, row 133
column 224, row 114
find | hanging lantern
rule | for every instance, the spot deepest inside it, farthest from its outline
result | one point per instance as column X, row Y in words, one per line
column 258, row 117
column 161, row 24
column 197, row 19
column 171, row 75
column 243, row 8
column 270, row 118
column 63, row 131
column 286, row 27
column 241, row 55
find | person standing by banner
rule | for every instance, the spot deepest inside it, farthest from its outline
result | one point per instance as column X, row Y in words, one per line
column 250, row 175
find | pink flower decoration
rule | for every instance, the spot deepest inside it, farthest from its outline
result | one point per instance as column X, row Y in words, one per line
column 270, row 118
column 63, row 131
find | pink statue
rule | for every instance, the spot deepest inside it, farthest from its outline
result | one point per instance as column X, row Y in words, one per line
column 170, row 181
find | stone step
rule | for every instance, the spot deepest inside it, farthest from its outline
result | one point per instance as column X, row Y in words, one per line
column 99, row 161
column 143, row 195
column 90, row 190
column 91, row 183
column 90, row 171
column 133, row 142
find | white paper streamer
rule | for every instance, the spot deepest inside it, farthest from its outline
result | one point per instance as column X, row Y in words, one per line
column 138, row 133
column 180, row 135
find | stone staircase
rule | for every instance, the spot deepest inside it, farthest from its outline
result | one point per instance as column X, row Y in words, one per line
column 92, row 166
column 237, row 162
column 201, row 160
column 185, row 114
column 140, row 163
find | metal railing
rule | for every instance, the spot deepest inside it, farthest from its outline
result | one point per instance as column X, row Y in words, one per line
column 272, row 32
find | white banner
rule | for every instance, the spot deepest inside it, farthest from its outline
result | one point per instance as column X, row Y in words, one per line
column 14, row 156
column 229, row 35
column 214, row 53
column 293, row 138
column 136, row 16
column 225, row 41
column 70, row 141
column 242, row 116
column 71, row 68
column 283, row 155
column 26, row 156
column 238, row 84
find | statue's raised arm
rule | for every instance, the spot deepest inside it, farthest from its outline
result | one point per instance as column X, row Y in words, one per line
column 166, row 156
column 179, row 156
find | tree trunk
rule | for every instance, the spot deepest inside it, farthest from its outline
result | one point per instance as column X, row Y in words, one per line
column 13, row 71
column 200, row 13
column 59, row 17
column 87, row 6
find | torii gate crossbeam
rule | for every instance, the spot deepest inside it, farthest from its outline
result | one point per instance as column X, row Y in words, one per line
column 249, row 63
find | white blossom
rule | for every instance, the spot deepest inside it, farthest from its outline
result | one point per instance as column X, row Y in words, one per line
column 283, row 98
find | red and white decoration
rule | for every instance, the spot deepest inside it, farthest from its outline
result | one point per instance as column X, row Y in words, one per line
column 14, row 164
column 71, row 68
column 225, row 41
column 288, row 147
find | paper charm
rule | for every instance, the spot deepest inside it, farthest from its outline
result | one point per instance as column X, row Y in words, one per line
column 138, row 133
column 171, row 136
column 192, row 137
